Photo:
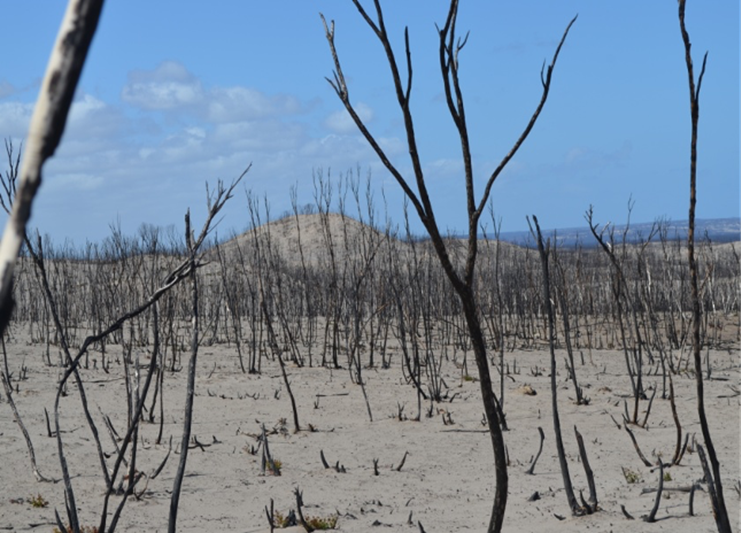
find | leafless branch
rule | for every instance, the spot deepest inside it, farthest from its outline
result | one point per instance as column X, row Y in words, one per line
column 546, row 82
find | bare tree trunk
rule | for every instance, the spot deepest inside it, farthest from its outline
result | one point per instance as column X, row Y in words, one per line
column 189, row 267
column 563, row 465
column 462, row 280
column 561, row 294
column 190, row 382
column 277, row 354
column 491, row 410
column 717, row 500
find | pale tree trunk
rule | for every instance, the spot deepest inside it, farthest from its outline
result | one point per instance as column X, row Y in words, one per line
column 45, row 131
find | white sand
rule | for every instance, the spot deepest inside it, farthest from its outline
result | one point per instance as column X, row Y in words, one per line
column 447, row 481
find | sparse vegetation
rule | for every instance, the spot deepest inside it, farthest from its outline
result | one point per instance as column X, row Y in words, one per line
column 592, row 327
column 38, row 501
column 355, row 302
column 319, row 522
column 631, row 476
column 282, row 521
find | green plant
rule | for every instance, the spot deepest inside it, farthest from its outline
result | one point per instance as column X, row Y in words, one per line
column 38, row 501
column 319, row 522
column 632, row 476
column 282, row 521
column 667, row 477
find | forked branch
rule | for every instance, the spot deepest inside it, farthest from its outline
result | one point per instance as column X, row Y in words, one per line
column 341, row 89
column 463, row 285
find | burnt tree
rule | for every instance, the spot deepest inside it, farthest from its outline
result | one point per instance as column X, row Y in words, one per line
column 461, row 279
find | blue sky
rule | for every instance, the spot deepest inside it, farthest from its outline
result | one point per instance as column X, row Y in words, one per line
column 175, row 94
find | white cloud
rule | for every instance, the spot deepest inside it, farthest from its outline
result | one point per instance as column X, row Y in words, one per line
column 185, row 146
column 84, row 107
column 14, row 119
column 444, row 169
column 166, row 71
column 145, row 153
column 234, row 104
column 168, row 86
column 93, row 127
column 264, row 135
column 123, row 159
column 341, row 121
column 392, row 146
column 158, row 96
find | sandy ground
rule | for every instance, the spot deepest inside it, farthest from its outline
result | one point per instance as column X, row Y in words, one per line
column 446, row 482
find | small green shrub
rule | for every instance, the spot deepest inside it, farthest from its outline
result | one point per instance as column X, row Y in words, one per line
column 276, row 467
column 282, row 521
column 632, row 476
column 319, row 522
column 38, row 501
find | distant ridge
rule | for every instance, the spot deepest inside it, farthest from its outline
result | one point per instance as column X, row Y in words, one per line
column 286, row 234
column 718, row 230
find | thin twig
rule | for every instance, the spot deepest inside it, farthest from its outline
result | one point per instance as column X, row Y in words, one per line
column 651, row 517
column 540, row 448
